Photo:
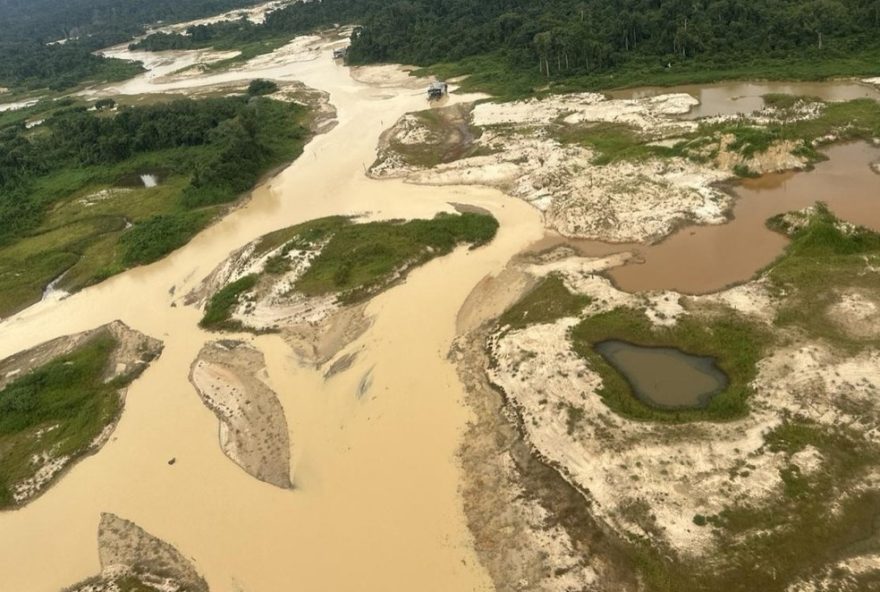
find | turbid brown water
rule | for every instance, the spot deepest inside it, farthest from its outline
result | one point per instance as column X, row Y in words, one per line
column 663, row 376
column 375, row 504
column 703, row 259
column 728, row 98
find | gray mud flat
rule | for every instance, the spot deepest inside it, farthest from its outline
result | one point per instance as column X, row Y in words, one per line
column 132, row 558
column 253, row 428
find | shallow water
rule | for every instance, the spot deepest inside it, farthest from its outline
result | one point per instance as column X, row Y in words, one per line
column 704, row 259
column 375, row 504
column 729, row 98
column 663, row 376
column 149, row 180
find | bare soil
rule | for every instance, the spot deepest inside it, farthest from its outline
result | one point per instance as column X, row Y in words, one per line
column 230, row 378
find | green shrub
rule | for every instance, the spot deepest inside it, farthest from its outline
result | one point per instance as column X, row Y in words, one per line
column 218, row 311
column 261, row 86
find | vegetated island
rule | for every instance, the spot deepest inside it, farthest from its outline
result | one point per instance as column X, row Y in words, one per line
column 60, row 401
column 89, row 193
column 311, row 281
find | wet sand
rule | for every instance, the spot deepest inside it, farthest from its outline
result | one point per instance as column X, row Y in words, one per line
column 706, row 259
column 375, row 504
column 729, row 98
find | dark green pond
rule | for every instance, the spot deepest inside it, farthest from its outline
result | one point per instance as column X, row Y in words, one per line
column 665, row 377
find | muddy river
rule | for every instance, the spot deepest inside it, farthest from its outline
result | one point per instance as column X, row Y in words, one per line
column 375, row 504
column 728, row 98
column 665, row 377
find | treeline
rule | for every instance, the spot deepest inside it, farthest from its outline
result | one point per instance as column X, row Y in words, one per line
column 30, row 58
column 29, row 64
column 567, row 38
column 237, row 136
column 51, row 20
column 220, row 35
column 294, row 19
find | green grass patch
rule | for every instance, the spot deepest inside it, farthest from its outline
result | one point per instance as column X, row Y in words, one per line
column 612, row 142
column 157, row 236
column 823, row 259
column 218, row 311
column 67, row 395
column 361, row 259
column 547, row 302
column 858, row 119
column 735, row 342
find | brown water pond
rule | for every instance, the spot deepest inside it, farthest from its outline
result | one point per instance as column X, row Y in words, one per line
column 728, row 98
column 705, row 259
column 665, row 377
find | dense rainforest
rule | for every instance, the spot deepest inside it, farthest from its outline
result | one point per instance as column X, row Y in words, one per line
column 522, row 41
column 28, row 28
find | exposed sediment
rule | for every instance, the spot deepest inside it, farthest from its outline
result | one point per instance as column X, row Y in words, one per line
column 316, row 327
column 531, row 528
column 230, row 379
column 132, row 558
column 516, row 147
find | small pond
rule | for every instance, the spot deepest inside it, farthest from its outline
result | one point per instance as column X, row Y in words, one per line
column 665, row 377
column 147, row 178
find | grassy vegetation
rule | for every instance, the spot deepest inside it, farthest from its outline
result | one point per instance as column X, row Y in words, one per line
column 361, row 259
column 612, row 142
column 356, row 261
column 735, row 342
column 69, row 393
column 218, row 311
column 767, row 547
column 823, row 259
column 858, row 119
column 548, row 301
column 88, row 221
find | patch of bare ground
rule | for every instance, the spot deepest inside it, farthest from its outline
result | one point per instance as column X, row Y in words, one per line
column 431, row 137
column 667, row 180
column 857, row 313
column 133, row 559
column 230, row 379
column 131, row 353
column 389, row 76
column 532, row 529
column 316, row 327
